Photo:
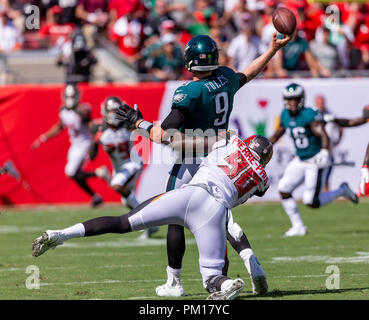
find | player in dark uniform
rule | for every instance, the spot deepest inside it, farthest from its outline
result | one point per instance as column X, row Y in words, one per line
column 201, row 105
column 310, row 166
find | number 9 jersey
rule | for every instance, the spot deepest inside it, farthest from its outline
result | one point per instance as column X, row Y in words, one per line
column 306, row 143
column 207, row 103
column 231, row 173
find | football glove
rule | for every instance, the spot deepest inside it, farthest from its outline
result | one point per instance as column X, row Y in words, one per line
column 364, row 178
column 128, row 115
column 322, row 159
column 328, row 117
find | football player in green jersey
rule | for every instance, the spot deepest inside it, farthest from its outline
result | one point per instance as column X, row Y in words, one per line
column 201, row 105
column 311, row 141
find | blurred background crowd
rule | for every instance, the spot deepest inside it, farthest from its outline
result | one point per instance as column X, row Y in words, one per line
column 148, row 37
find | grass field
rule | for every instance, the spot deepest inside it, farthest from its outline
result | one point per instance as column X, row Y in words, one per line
column 123, row 267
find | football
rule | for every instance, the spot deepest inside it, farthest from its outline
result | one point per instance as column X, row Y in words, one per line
column 284, row 21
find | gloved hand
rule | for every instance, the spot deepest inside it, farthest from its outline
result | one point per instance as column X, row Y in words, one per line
column 328, row 117
column 322, row 159
column 128, row 115
column 364, row 178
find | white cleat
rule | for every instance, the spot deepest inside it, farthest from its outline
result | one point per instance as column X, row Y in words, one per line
column 230, row 293
column 104, row 173
column 48, row 240
column 147, row 233
column 296, row 231
column 349, row 194
column 257, row 276
column 167, row 290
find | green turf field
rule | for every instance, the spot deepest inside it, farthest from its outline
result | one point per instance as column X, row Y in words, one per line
column 122, row 267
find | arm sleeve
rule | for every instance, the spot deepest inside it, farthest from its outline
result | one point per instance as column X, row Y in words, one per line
column 242, row 79
column 174, row 120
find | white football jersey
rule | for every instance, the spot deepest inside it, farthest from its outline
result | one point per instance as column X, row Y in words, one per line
column 118, row 145
column 231, row 173
column 77, row 129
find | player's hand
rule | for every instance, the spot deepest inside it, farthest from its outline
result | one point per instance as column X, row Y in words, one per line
column 364, row 178
column 38, row 142
column 328, row 117
column 277, row 44
column 322, row 159
column 128, row 115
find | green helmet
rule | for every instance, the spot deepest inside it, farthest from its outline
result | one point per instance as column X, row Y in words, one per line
column 201, row 54
column 294, row 91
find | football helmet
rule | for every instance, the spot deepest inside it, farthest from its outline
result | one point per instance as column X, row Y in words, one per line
column 108, row 108
column 201, row 54
column 261, row 147
column 71, row 96
column 294, row 91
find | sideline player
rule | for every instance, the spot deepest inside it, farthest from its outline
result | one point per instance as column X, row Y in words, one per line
column 311, row 162
column 127, row 164
column 199, row 105
column 334, row 132
column 74, row 116
column 231, row 173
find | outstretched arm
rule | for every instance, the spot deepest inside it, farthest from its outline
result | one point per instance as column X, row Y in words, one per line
column 277, row 134
column 255, row 67
column 350, row 122
column 52, row 132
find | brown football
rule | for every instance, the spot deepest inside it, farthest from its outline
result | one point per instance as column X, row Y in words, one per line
column 284, row 21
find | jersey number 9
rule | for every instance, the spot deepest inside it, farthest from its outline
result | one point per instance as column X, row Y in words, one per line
column 221, row 108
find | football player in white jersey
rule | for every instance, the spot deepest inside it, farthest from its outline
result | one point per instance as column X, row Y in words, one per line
column 231, row 173
column 75, row 117
column 127, row 164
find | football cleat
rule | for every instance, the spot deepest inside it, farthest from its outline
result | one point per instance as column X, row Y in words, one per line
column 96, row 200
column 103, row 173
column 296, row 231
column 147, row 233
column 11, row 170
column 349, row 194
column 48, row 240
column 171, row 290
column 229, row 293
column 257, row 276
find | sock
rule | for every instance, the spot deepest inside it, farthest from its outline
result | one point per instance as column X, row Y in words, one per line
column 290, row 206
column 76, row 231
column 245, row 256
column 329, row 196
column 174, row 276
column 131, row 200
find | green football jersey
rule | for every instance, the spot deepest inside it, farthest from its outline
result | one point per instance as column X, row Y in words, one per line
column 207, row 103
column 306, row 143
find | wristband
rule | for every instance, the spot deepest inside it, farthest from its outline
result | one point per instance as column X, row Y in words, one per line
column 365, row 166
column 145, row 125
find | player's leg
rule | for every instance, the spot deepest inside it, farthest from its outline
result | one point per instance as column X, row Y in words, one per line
column 73, row 169
column 292, row 178
column 237, row 238
column 124, row 182
column 314, row 181
column 176, row 246
column 150, row 213
column 207, row 221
